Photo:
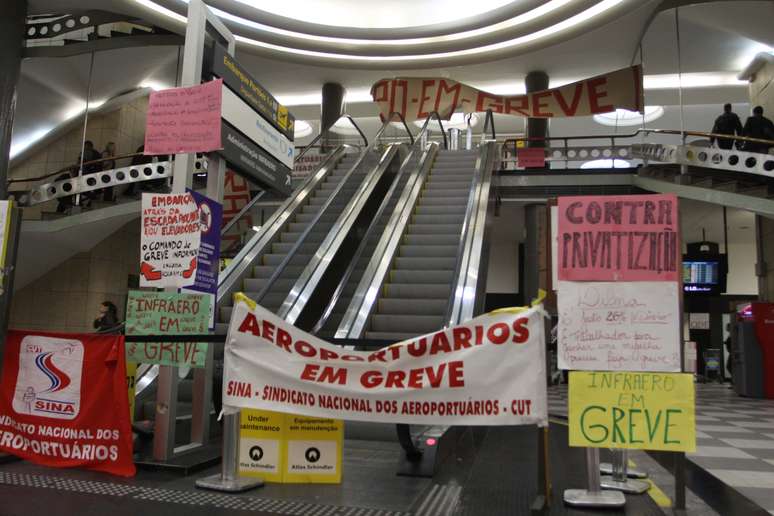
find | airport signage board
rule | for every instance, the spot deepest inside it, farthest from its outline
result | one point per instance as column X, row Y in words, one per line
column 636, row 410
column 251, row 91
column 239, row 114
column 416, row 97
column 252, row 161
column 487, row 371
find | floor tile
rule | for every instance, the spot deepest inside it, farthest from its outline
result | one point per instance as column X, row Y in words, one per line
column 754, row 424
column 760, row 444
column 723, row 428
column 742, row 478
column 732, row 464
column 720, row 451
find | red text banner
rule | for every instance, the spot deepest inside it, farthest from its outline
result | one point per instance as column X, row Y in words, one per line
column 488, row 371
column 63, row 401
column 415, row 98
column 618, row 238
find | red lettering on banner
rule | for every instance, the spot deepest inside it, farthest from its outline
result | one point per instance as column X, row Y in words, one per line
column 417, row 348
column 444, row 89
column 573, row 107
column 462, row 338
column 537, row 105
column 309, row 373
column 250, row 325
column 395, row 379
column 433, row 377
column 380, row 91
column 521, row 330
column 284, row 340
column 456, row 374
column 519, row 104
column 268, row 330
column 440, row 344
column 595, row 96
column 487, row 101
column 404, row 97
column 371, row 379
column 241, row 389
column 498, row 333
column 326, row 354
column 421, row 113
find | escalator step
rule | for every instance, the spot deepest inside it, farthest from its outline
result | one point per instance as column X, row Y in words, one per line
column 444, row 201
column 276, row 259
column 256, row 284
column 443, row 251
column 418, row 324
column 452, row 239
column 417, row 290
column 265, row 271
column 439, row 210
column 446, row 218
column 389, row 336
column 414, row 306
column 445, row 192
column 421, row 277
column 305, row 218
column 434, row 263
column 434, row 229
column 285, row 247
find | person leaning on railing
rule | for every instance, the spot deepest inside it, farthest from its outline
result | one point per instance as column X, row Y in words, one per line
column 758, row 126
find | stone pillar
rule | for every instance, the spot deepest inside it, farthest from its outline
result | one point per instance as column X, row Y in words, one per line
column 13, row 14
column 536, row 127
column 331, row 108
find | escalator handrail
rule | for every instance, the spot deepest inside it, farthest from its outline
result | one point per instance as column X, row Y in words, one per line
column 229, row 278
column 488, row 121
column 460, row 307
column 386, row 124
column 353, row 323
column 440, row 124
column 321, row 133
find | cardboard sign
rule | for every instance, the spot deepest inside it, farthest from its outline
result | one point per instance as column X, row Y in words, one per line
column 153, row 313
column 313, row 450
column 183, row 120
column 621, row 238
column 415, row 98
column 488, row 371
column 208, row 259
column 63, row 401
column 621, row 326
column 643, row 411
column 531, row 158
column 262, row 444
column 170, row 238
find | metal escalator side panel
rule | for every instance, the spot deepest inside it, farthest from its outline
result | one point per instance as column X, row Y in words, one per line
column 393, row 191
column 310, row 277
column 354, row 322
column 468, row 277
column 230, row 280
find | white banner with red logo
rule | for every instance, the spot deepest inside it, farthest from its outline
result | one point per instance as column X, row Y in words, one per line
column 63, row 401
column 488, row 371
column 416, row 97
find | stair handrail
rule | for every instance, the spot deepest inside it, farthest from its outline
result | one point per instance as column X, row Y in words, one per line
column 488, row 121
column 388, row 121
column 307, row 231
column 377, row 216
column 321, row 133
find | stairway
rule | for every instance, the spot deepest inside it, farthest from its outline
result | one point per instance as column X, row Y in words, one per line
column 297, row 224
column 416, row 293
column 331, row 324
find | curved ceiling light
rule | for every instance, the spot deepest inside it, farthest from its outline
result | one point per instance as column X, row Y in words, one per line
column 624, row 117
column 606, row 163
column 301, row 129
column 539, row 25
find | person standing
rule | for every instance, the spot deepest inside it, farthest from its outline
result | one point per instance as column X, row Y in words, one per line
column 727, row 123
column 109, row 164
column 758, row 126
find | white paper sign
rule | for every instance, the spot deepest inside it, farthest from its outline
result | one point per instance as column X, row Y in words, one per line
column 619, row 326
column 170, row 238
column 699, row 321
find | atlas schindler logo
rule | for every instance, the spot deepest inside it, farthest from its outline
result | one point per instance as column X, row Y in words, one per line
column 49, row 379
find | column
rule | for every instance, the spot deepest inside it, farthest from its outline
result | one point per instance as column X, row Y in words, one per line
column 331, row 108
column 536, row 127
column 12, row 20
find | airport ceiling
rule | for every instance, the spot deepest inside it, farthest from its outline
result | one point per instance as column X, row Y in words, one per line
column 295, row 46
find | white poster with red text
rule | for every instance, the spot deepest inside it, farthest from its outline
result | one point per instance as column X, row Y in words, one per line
column 488, row 371
column 169, row 240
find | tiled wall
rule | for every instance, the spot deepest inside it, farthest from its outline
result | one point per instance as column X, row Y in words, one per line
column 125, row 126
column 68, row 297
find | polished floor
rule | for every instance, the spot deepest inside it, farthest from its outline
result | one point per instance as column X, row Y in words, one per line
column 734, row 439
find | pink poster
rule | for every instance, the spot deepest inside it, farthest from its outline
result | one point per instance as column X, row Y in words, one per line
column 618, row 238
column 183, row 120
column 531, row 157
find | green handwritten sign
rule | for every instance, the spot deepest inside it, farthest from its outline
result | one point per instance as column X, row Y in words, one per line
column 156, row 313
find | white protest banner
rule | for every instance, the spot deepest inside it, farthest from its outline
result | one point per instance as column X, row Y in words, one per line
column 488, row 371
column 619, row 326
column 169, row 240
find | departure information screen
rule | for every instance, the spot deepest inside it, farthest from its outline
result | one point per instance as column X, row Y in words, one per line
column 701, row 273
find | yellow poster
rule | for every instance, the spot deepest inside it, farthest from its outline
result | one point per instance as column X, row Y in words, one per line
column 646, row 411
column 261, row 444
column 131, row 380
column 313, row 452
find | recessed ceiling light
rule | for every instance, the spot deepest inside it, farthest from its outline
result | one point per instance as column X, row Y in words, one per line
column 302, row 128
column 624, row 117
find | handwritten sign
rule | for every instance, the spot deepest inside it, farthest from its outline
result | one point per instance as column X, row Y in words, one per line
column 208, row 260
column 621, row 238
column 170, row 239
column 625, row 326
column 531, row 157
column 154, row 313
column 182, row 120
column 644, row 411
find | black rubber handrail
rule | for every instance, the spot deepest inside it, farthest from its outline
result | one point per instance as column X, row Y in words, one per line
column 440, row 124
column 321, row 133
column 387, row 122
column 488, row 121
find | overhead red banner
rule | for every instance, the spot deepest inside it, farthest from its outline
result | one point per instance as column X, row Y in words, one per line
column 63, row 401
column 618, row 238
column 415, row 98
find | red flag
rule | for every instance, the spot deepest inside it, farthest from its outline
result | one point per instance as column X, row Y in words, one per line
column 63, row 401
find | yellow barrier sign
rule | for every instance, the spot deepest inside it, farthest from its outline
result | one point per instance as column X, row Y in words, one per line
column 262, row 446
column 646, row 411
column 131, row 380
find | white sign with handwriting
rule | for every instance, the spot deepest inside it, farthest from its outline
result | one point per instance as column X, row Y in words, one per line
column 619, row 326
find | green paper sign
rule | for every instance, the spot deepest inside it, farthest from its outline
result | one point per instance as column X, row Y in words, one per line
column 156, row 313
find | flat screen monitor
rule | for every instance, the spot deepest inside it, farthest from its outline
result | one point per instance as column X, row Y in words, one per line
column 704, row 275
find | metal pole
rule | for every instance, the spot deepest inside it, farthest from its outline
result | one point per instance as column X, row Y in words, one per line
column 593, row 496
column 620, row 480
column 85, row 123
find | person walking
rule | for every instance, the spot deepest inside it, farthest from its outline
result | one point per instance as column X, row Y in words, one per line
column 758, row 126
column 726, row 123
